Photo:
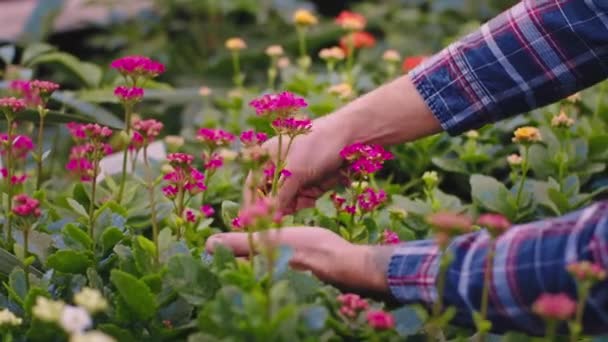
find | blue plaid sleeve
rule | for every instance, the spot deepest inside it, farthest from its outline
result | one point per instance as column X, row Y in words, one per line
column 530, row 259
column 534, row 54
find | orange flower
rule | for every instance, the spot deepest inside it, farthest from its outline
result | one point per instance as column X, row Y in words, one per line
column 526, row 135
column 304, row 17
column 235, row 44
column 361, row 40
column 410, row 63
column 351, row 21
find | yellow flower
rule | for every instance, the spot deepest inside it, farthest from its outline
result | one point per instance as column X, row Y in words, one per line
column 333, row 53
column 304, row 17
column 9, row 318
column 562, row 120
column 235, row 44
column 47, row 310
column 574, row 98
column 526, row 135
column 472, row 134
column 91, row 299
column 391, row 55
column 514, row 159
column 274, row 51
column 343, row 90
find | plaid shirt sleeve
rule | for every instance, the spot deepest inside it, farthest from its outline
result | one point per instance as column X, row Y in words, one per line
column 534, row 54
column 530, row 259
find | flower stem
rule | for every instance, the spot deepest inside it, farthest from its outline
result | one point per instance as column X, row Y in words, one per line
column 551, row 330
column 26, row 244
column 153, row 218
column 41, row 113
column 278, row 168
column 236, row 67
column 350, row 59
column 485, row 293
column 524, row 173
column 93, row 193
column 123, row 178
column 583, row 294
column 9, row 185
column 180, row 209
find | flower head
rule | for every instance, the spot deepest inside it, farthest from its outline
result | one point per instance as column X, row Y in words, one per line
column 410, row 63
column 205, row 91
column 91, row 336
column 291, row 126
column 392, row 56
column 12, row 105
column 370, row 200
column 304, row 18
column 574, row 98
column 252, row 138
column 389, row 237
column 174, row 142
column 74, row 319
column 359, row 40
column 26, row 206
column 214, row 162
column 365, row 159
column 262, row 214
column 430, row 179
column 190, row 216
column 514, row 159
column 183, row 178
column 587, row 271
column 138, row 66
column 352, row 304
column 214, row 137
column 21, row 145
column 496, row 224
column 207, row 210
column 472, row 134
column 562, row 120
column 380, row 320
column 554, row 306
column 334, row 53
column 147, row 131
column 235, row 44
column 180, row 159
column 91, row 299
column 8, row 318
column 527, row 135
column 47, row 310
column 343, row 90
column 337, row 200
column 274, row 51
column 282, row 104
column 351, row 21
column 90, row 131
column 44, row 87
column 129, row 94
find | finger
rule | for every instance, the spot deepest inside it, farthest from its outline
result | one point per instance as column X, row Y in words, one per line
column 303, row 202
column 287, row 193
column 237, row 242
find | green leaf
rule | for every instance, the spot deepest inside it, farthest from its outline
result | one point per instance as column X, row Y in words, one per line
column 154, row 282
column 409, row 320
column 92, row 112
column 8, row 262
column 35, row 50
column 89, row 73
column 120, row 334
column 223, row 257
column 492, row 195
column 135, row 293
column 69, row 261
column 229, row 210
column 76, row 236
column 191, row 280
column 314, row 317
column 560, row 200
column 143, row 253
column 79, row 193
column 110, row 237
column 77, row 207
column 41, row 20
column 18, row 283
column 55, row 117
column 7, row 54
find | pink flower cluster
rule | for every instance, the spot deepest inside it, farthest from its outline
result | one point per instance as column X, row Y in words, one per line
column 496, row 224
column 214, row 137
column 129, row 94
column 352, row 304
column 587, row 271
column 144, row 132
column 15, row 179
column 138, row 66
column 338, row 201
column 21, row 145
column 12, row 104
column 44, row 87
column 380, row 320
column 365, row 159
column 389, row 237
column 90, row 131
column 192, row 216
column 85, row 157
column 207, row 210
column 252, row 138
column 26, row 206
column 214, row 162
column 554, row 306
column 292, row 126
column 184, row 177
column 281, row 105
column 34, row 92
column 263, row 212
column 370, row 199
column 269, row 171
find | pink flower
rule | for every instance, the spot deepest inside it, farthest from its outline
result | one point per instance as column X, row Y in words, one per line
column 337, row 200
column 389, row 237
column 495, row 223
column 252, row 138
column 365, row 159
column 180, row 159
column 554, row 306
column 270, row 170
column 183, row 177
column 145, row 131
column 170, row 191
column 380, row 320
column 76, row 130
column 282, row 104
column 371, row 199
column 81, row 167
column 587, row 271
column 23, row 89
column 190, row 216
column 44, row 88
column 237, row 224
column 207, row 210
column 351, row 209
column 91, row 131
column 215, row 162
column 12, row 104
column 214, row 137
column 18, row 179
column 21, row 145
column 352, row 304
column 26, row 206
column 292, row 126
column 263, row 212
column 129, row 94
column 136, row 66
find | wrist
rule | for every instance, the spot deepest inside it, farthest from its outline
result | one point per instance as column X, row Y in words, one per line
column 366, row 268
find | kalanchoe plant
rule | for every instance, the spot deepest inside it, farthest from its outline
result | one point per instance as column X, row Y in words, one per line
column 586, row 275
column 554, row 309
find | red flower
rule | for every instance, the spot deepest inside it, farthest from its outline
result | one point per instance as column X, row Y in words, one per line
column 351, row 21
column 380, row 320
column 410, row 63
column 359, row 40
column 554, row 306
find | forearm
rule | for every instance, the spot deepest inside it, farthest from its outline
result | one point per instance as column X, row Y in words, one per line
column 530, row 260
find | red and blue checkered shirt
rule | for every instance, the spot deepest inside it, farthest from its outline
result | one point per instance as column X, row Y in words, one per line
column 536, row 53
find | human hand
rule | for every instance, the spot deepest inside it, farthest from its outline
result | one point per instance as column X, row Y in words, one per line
column 328, row 256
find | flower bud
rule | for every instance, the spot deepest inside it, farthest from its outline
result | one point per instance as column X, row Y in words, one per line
column 526, row 135
column 514, row 160
column 283, row 62
column 204, row 91
column 562, row 120
column 227, row 154
column 430, row 179
column 391, row 56
column 235, row 44
column 304, row 18
column 359, row 185
column 274, row 51
column 123, row 138
column 472, row 134
column 397, row 213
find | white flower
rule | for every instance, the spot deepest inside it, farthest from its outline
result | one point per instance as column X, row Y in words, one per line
column 91, row 300
column 47, row 310
column 75, row 319
column 92, row 336
column 472, row 134
column 9, row 318
column 391, row 56
column 274, row 51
